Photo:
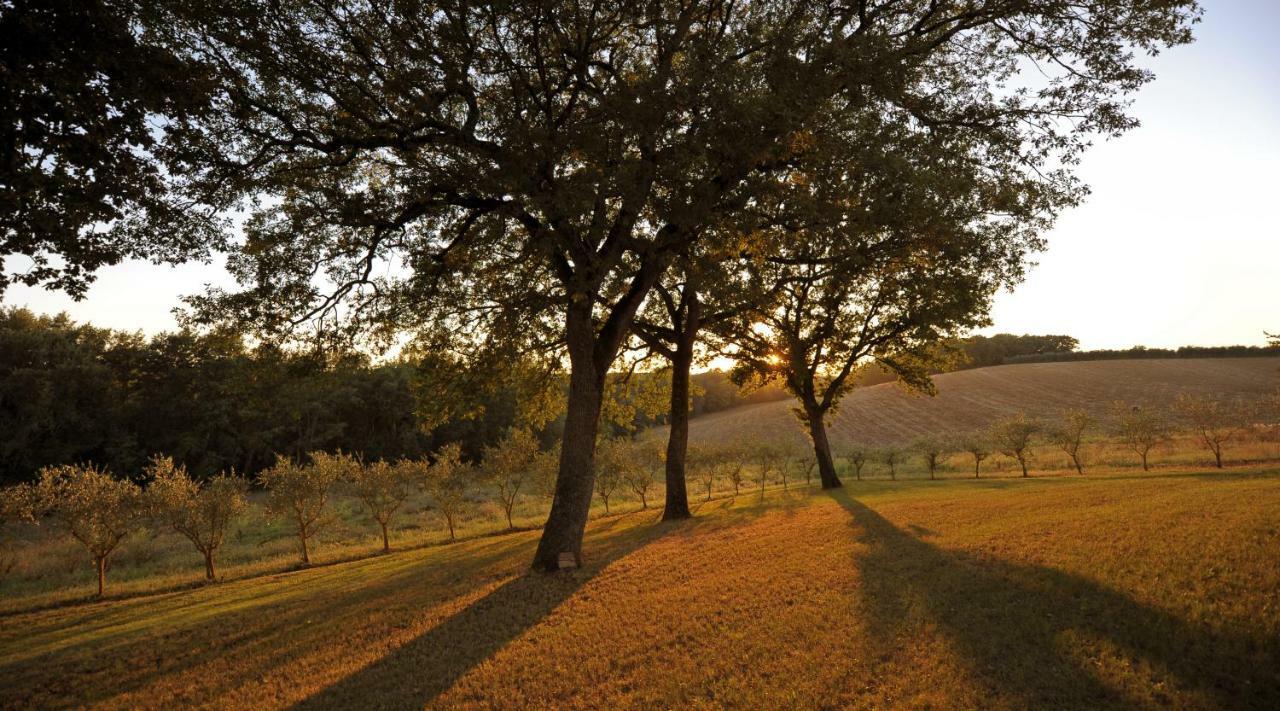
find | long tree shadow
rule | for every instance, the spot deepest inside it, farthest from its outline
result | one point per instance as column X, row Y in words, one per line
column 416, row 673
column 1025, row 631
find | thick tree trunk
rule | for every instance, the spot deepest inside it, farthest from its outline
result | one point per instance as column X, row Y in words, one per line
column 677, row 501
column 561, row 543
column 821, row 447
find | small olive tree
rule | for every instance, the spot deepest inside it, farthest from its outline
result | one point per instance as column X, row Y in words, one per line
column 1014, row 436
column 735, row 467
column 612, row 466
column 446, row 481
column 1069, row 435
column 200, row 512
column 17, row 503
column 646, row 462
column 545, row 467
column 1216, row 423
column 856, row 456
column 94, row 507
column 1140, row 428
column 891, row 456
column 300, row 493
column 976, row 445
column 383, row 487
column 508, row 465
column 768, row 457
column 931, row 450
column 704, row 463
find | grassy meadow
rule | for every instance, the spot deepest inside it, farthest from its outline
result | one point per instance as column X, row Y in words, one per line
column 1115, row 589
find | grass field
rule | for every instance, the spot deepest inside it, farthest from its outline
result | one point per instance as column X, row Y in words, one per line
column 972, row 399
column 1108, row 590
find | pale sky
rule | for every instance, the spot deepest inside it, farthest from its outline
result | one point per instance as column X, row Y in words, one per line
column 1178, row 244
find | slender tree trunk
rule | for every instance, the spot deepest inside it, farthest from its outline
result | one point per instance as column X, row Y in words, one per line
column 1023, row 462
column 562, row 534
column 510, row 524
column 977, row 464
column 677, row 502
column 209, row 573
column 1145, row 468
column 1217, row 456
column 386, row 542
column 302, row 537
column 821, row 447
column 449, row 519
column 101, row 564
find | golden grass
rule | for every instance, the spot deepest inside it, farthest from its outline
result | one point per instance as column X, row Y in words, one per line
column 973, row 399
column 1119, row 590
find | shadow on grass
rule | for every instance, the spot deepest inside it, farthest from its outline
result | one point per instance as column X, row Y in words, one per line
column 416, row 673
column 1025, row 630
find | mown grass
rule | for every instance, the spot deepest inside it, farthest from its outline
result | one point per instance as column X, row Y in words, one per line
column 1121, row 590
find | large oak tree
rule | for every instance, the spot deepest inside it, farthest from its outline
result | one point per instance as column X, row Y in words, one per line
column 525, row 172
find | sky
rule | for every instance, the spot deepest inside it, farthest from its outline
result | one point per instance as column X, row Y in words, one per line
column 1178, row 244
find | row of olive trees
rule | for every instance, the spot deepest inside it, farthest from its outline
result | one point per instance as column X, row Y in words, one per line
column 1140, row 428
column 100, row 510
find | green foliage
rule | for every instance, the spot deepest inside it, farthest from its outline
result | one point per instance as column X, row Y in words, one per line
column 85, row 97
column 94, row 507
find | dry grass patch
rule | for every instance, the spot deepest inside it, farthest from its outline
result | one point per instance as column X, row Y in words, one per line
column 1116, row 591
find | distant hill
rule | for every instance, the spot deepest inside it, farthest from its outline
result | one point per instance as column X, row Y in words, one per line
column 970, row 399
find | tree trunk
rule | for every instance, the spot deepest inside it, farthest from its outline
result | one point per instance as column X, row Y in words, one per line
column 977, row 464
column 1145, row 468
column 821, row 447
column 101, row 564
column 677, row 503
column 449, row 519
column 386, row 542
column 562, row 535
column 1023, row 462
column 208, row 565
column 302, row 537
column 1217, row 456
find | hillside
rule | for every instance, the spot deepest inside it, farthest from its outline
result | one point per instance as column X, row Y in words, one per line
column 1081, row 592
column 971, row 399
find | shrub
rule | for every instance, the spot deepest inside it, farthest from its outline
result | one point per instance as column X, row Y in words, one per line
column 94, row 507
column 202, row 513
column 383, row 488
column 301, row 493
